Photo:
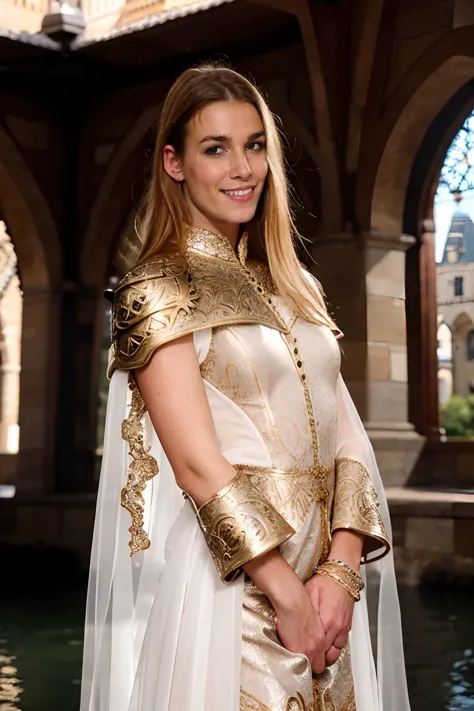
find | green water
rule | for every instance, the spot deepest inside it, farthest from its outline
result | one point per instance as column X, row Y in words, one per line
column 41, row 648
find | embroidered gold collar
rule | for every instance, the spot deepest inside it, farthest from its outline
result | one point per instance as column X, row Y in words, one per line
column 216, row 245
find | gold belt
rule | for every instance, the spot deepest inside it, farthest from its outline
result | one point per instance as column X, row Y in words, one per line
column 293, row 491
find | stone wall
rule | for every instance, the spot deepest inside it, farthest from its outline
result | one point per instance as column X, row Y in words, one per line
column 432, row 535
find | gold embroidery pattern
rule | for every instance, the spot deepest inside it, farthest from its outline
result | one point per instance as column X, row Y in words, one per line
column 239, row 524
column 209, row 243
column 321, row 473
column 323, row 700
column 159, row 301
column 210, row 360
column 356, row 504
column 291, row 491
column 266, row 407
column 153, row 299
column 296, row 703
column 143, row 468
column 242, row 248
column 248, row 702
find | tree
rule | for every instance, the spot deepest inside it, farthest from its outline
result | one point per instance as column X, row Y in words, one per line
column 457, row 416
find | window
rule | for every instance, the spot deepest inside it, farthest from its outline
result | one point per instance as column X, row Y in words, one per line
column 470, row 345
column 458, row 286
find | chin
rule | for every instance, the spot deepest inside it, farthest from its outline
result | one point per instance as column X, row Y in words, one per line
column 242, row 215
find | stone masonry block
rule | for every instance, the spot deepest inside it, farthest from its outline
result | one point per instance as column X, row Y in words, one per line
column 430, row 534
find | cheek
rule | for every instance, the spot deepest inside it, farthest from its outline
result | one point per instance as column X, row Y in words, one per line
column 260, row 167
column 207, row 173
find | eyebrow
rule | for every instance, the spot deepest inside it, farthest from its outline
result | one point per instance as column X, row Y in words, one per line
column 226, row 139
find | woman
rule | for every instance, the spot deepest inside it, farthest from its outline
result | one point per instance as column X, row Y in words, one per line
column 241, row 595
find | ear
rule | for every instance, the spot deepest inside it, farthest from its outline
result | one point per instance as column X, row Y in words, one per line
column 172, row 164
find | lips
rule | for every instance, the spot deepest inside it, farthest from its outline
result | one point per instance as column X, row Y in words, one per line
column 240, row 194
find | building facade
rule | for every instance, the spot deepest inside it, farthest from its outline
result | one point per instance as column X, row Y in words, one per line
column 455, row 294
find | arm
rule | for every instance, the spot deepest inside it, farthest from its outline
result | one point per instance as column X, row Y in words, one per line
column 172, row 388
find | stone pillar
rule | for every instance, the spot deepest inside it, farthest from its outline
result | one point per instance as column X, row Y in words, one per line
column 38, row 392
column 77, row 391
column 422, row 330
column 364, row 279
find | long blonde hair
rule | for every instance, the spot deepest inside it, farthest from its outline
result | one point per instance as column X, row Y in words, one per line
column 163, row 214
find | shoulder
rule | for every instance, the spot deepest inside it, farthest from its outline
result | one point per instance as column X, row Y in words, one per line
column 151, row 305
column 158, row 269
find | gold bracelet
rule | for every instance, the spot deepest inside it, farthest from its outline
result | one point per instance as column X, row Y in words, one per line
column 353, row 573
column 342, row 574
column 342, row 583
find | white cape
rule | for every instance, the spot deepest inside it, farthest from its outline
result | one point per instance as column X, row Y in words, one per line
column 163, row 633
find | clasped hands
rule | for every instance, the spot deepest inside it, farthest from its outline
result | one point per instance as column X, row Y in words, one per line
column 318, row 623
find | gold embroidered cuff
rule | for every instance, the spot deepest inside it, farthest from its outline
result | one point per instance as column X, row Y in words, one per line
column 240, row 525
column 356, row 507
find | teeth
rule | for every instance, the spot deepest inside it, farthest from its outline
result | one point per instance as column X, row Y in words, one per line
column 239, row 193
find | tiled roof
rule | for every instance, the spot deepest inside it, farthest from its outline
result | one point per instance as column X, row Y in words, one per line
column 35, row 40
column 153, row 20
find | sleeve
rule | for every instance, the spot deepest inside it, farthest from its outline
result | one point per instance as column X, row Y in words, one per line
column 356, row 501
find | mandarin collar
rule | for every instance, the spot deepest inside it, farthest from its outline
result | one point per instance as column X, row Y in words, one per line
column 216, row 245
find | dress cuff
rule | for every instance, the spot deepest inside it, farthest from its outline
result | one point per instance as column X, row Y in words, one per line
column 356, row 507
column 239, row 525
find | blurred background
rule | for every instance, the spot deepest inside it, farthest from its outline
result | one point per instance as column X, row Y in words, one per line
column 376, row 99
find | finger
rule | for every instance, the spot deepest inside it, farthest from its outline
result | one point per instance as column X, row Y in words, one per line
column 332, row 655
column 318, row 663
column 341, row 640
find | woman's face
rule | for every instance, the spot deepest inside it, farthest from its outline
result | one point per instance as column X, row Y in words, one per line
column 224, row 166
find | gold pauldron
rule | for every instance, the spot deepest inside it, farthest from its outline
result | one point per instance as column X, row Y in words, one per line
column 239, row 525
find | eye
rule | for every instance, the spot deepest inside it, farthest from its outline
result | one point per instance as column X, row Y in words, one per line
column 257, row 146
column 214, row 150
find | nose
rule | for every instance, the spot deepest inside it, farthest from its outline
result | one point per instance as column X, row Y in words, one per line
column 240, row 166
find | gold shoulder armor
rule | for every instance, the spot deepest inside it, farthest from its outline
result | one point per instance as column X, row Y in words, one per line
column 153, row 304
column 159, row 301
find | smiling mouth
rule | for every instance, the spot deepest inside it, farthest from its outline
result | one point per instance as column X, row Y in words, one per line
column 243, row 192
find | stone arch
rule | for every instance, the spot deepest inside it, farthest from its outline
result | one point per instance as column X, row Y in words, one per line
column 422, row 116
column 28, row 219
column 106, row 220
column 34, row 235
column 461, row 325
column 427, row 87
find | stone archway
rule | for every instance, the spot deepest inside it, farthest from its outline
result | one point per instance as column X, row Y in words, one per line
column 33, row 232
column 106, row 221
column 426, row 104
column 428, row 87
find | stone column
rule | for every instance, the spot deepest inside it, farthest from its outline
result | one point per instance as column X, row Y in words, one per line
column 422, row 329
column 77, row 391
column 364, row 279
column 39, row 371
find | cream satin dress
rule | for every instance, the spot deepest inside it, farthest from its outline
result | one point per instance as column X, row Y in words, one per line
column 163, row 633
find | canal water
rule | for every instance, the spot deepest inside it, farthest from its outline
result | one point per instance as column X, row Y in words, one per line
column 41, row 648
